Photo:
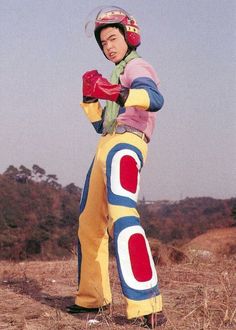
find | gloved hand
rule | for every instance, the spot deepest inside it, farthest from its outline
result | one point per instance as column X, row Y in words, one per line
column 86, row 83
column 96, row 86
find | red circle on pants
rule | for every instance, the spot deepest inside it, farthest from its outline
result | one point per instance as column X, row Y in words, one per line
column 139, row 258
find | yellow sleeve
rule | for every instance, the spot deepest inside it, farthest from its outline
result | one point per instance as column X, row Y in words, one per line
column 138, row 98
column 92, row 110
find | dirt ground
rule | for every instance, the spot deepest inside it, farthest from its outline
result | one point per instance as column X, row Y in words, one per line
column 197, row 295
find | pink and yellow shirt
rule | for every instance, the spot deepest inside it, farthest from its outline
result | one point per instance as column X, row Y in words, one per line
column 142, row 104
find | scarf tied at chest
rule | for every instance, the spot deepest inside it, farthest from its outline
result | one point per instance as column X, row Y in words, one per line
column 112, row 108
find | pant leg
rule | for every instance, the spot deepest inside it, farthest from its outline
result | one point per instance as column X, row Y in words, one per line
column 93, row 278
column 135, row 264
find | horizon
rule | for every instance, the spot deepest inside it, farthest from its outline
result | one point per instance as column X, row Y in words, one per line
column 144, row 200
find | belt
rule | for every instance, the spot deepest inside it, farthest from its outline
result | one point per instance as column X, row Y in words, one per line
column 121, row 129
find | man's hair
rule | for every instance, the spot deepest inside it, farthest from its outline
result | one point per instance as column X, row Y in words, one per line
column 113, row 25
column 120, row 28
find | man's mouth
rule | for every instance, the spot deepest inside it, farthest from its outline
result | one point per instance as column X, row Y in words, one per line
column 112, row 54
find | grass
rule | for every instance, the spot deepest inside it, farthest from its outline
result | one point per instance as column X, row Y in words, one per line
column 197, row 295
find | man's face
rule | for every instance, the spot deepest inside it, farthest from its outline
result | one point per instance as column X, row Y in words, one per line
column 113, row 44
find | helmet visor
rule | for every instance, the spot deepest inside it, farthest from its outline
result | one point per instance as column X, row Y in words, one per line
column 104, row 15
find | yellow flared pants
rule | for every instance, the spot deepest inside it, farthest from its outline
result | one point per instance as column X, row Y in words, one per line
column 108, row 207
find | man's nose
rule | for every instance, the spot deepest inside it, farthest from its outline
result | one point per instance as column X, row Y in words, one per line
column 109, row 45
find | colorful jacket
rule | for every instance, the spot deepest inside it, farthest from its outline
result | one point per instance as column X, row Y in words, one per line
column 142, row 104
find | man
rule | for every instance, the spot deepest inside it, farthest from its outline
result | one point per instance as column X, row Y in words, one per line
column 109, row 200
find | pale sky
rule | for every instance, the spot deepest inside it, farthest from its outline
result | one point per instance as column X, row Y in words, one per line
column 191, row 43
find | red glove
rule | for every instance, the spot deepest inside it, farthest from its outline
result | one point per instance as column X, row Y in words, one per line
column 94, row 85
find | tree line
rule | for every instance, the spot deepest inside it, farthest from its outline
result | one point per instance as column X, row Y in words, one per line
column 39, row 217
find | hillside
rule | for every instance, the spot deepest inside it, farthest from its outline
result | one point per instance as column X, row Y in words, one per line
column 38, row 217
column 216, row 243
column 183, row 220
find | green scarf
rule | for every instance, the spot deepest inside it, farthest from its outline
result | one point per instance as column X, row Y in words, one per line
column 112, row 108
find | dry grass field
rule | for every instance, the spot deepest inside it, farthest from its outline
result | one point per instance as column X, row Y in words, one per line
column 198, row 293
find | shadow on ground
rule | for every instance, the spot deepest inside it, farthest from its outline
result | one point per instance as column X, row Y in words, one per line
column 31, row 288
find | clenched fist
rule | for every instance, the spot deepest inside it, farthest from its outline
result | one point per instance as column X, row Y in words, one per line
column 96, row 86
